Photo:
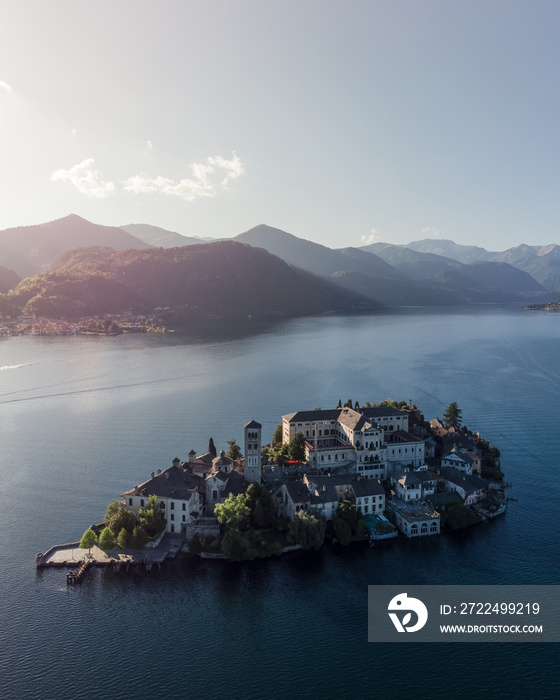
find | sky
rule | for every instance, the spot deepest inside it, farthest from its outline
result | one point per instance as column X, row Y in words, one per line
column 341, row 122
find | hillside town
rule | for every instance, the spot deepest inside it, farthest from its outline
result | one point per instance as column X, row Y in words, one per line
column 397, row 472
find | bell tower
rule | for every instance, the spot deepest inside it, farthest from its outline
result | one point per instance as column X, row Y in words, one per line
column 253, row 452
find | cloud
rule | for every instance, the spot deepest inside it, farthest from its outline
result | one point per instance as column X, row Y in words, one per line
column 5, row 87
column 207, row 178
column 85, row 179
column 372, row 238
column 185, row 189
column 431, row 231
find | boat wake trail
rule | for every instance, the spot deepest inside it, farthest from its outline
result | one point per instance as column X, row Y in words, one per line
column 25, row 364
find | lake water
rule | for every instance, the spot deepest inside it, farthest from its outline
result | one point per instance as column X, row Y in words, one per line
column 83, row 419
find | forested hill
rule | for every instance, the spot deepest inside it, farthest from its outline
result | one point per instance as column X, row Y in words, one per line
column 225, row 279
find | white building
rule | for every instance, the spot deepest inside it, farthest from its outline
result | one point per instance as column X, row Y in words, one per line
column 414, row 519
column 341, row 440
column 469, row 486
column 177, row 492
column 458, row 459
column 406, row 449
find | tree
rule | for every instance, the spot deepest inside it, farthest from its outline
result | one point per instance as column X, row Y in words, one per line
column 139, row 538
column 212, row 447
column 122, row 518
column 347, row 511
column 231, row 546
column 112, row 509
column 233, row 512
column 339, row 404
column 252, row 495
column 123, row 539
column 89, row 539
column 452, row 416
column 277, row 435
column 297, row 448
column 151, row 517
column 459, row 516
column 348, row 523
column 234, row 451
column 308, row 529
column 106, row 539
column 343, row 531
column 280, row 455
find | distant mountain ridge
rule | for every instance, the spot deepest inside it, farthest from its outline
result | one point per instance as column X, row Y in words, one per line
column 30, row 249
column 424, row 259
column 160, row 237
column 88, row 276
column 353, row 269
column 8, row 279
column 222, row 280
column 395, row 275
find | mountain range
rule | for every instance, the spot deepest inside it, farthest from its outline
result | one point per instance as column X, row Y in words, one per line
column 140, row 266
column 222, row 280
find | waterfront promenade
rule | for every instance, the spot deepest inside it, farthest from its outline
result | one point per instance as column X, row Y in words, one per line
column 71, row 555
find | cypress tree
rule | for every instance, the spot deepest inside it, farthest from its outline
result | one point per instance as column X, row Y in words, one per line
column 212, row 447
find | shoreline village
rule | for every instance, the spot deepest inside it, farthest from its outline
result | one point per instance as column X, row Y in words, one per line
column 353, row 473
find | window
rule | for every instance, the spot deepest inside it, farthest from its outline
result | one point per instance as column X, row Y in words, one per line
column 424, row 529
column 184, row 506
column 130, row 502
column 184, row 518
column 172, row 516
column 433, row 527
column 172, row 505
column 214, row 495
column 141, row 503
column 162, row 505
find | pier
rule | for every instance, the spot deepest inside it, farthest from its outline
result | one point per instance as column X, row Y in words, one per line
column 71, row 556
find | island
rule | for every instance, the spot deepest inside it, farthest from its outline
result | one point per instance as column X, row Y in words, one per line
column 549, row 306
column 348, row 474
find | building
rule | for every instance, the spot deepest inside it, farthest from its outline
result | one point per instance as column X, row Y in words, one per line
column 252, row 464
column 470, row 487
column 414, row 518
column 458, row 459
column 386, row 418
column 324, row 493
column 405, row 449
column 224, row 478
column 340, row 440
column 178, row 492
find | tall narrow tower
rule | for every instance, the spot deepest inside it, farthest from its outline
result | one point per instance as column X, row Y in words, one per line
column 253, row 452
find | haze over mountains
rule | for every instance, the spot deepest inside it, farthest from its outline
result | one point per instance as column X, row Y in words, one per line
column 159, row 237
column 296, row 276
column 29, row 249
column 222, row 280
